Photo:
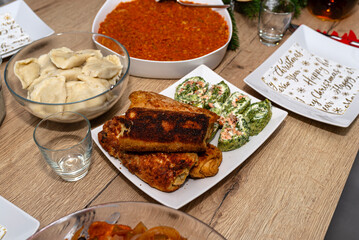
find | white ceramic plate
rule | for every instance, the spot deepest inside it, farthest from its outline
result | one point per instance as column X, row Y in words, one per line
column 322, row 46
column 28, row 20
column 19, row 225
column 231, row 160
column 168, row 69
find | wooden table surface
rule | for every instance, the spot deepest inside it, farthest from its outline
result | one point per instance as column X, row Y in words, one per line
column 287, row 189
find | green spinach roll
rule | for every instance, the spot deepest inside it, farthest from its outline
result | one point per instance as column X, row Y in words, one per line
column 234, row 133
column 216, row 96
column 236, row 103
column 191, row 91
column 258, row 115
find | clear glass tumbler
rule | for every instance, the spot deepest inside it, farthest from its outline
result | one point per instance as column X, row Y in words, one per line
column 66, row 147
column 274, row 19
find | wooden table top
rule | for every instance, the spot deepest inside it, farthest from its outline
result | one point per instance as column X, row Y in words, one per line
column 287, row 189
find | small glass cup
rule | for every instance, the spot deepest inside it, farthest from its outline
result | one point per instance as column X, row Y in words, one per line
column 274, row 19
column 66, row 147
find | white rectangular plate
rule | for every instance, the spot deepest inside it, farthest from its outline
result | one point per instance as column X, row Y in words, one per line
column 231, row 160
column 19, row 225
column 322, row 46
column 28, row 21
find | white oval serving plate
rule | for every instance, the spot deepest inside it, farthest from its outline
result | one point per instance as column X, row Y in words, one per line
column 169, row 69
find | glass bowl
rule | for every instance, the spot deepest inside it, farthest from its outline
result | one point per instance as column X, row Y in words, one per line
column 90, row 107
column 128, row 213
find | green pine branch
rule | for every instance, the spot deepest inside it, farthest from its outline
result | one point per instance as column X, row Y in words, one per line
column 234, row 42
column 250, row 9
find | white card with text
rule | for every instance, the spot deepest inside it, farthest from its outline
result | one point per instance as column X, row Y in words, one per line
column 320, row 83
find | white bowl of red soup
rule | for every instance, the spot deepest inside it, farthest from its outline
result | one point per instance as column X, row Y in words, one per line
column 165, row 39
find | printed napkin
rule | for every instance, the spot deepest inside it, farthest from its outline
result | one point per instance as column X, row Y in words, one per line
column 313, row 80
column 12, row 35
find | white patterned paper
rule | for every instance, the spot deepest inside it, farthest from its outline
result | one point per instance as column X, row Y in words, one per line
column 313, row 80
column 12, row 36
column 2, row 231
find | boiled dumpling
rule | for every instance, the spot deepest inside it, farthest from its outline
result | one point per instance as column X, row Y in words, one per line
column 44, row 90
column 27, row 71
column 46, row 66
column 96, row 83
column 41, row 90
column 43, row 111
column 69, row 74
column 36, row 81
column 77, row 91
column 61, row 57
column 90, row 53
column 101, row 68
column 114, row 59
column 65, row 58
column 114, row 80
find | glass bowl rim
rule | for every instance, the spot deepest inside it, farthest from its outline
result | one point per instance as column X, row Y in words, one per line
column 69, row 103
column 104, row 205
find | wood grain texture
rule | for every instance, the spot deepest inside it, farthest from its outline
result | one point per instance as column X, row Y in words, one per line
column 287, row 189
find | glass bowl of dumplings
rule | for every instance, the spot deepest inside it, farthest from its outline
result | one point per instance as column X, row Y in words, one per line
column 68, row 72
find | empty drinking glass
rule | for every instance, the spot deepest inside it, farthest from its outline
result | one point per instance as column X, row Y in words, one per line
column 66, row 147
column 274, row 19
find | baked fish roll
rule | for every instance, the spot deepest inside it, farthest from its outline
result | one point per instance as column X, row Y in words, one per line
column 191, row 91
column 258, row 115
column 216, row 96
column 148, row 130
column 236, row 103
column 208, row 163
column 234, row 133
column 152, row 100
column 163, row 171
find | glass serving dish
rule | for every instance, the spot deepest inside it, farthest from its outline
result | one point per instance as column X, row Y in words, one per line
column 76, row 41
column 128, row 213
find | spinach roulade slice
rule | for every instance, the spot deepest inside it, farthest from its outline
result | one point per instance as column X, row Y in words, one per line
column 234, row 133
column 191, row 91
column 216, row 96
column 216, row 127
column 258, row 115
column 236, row 103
